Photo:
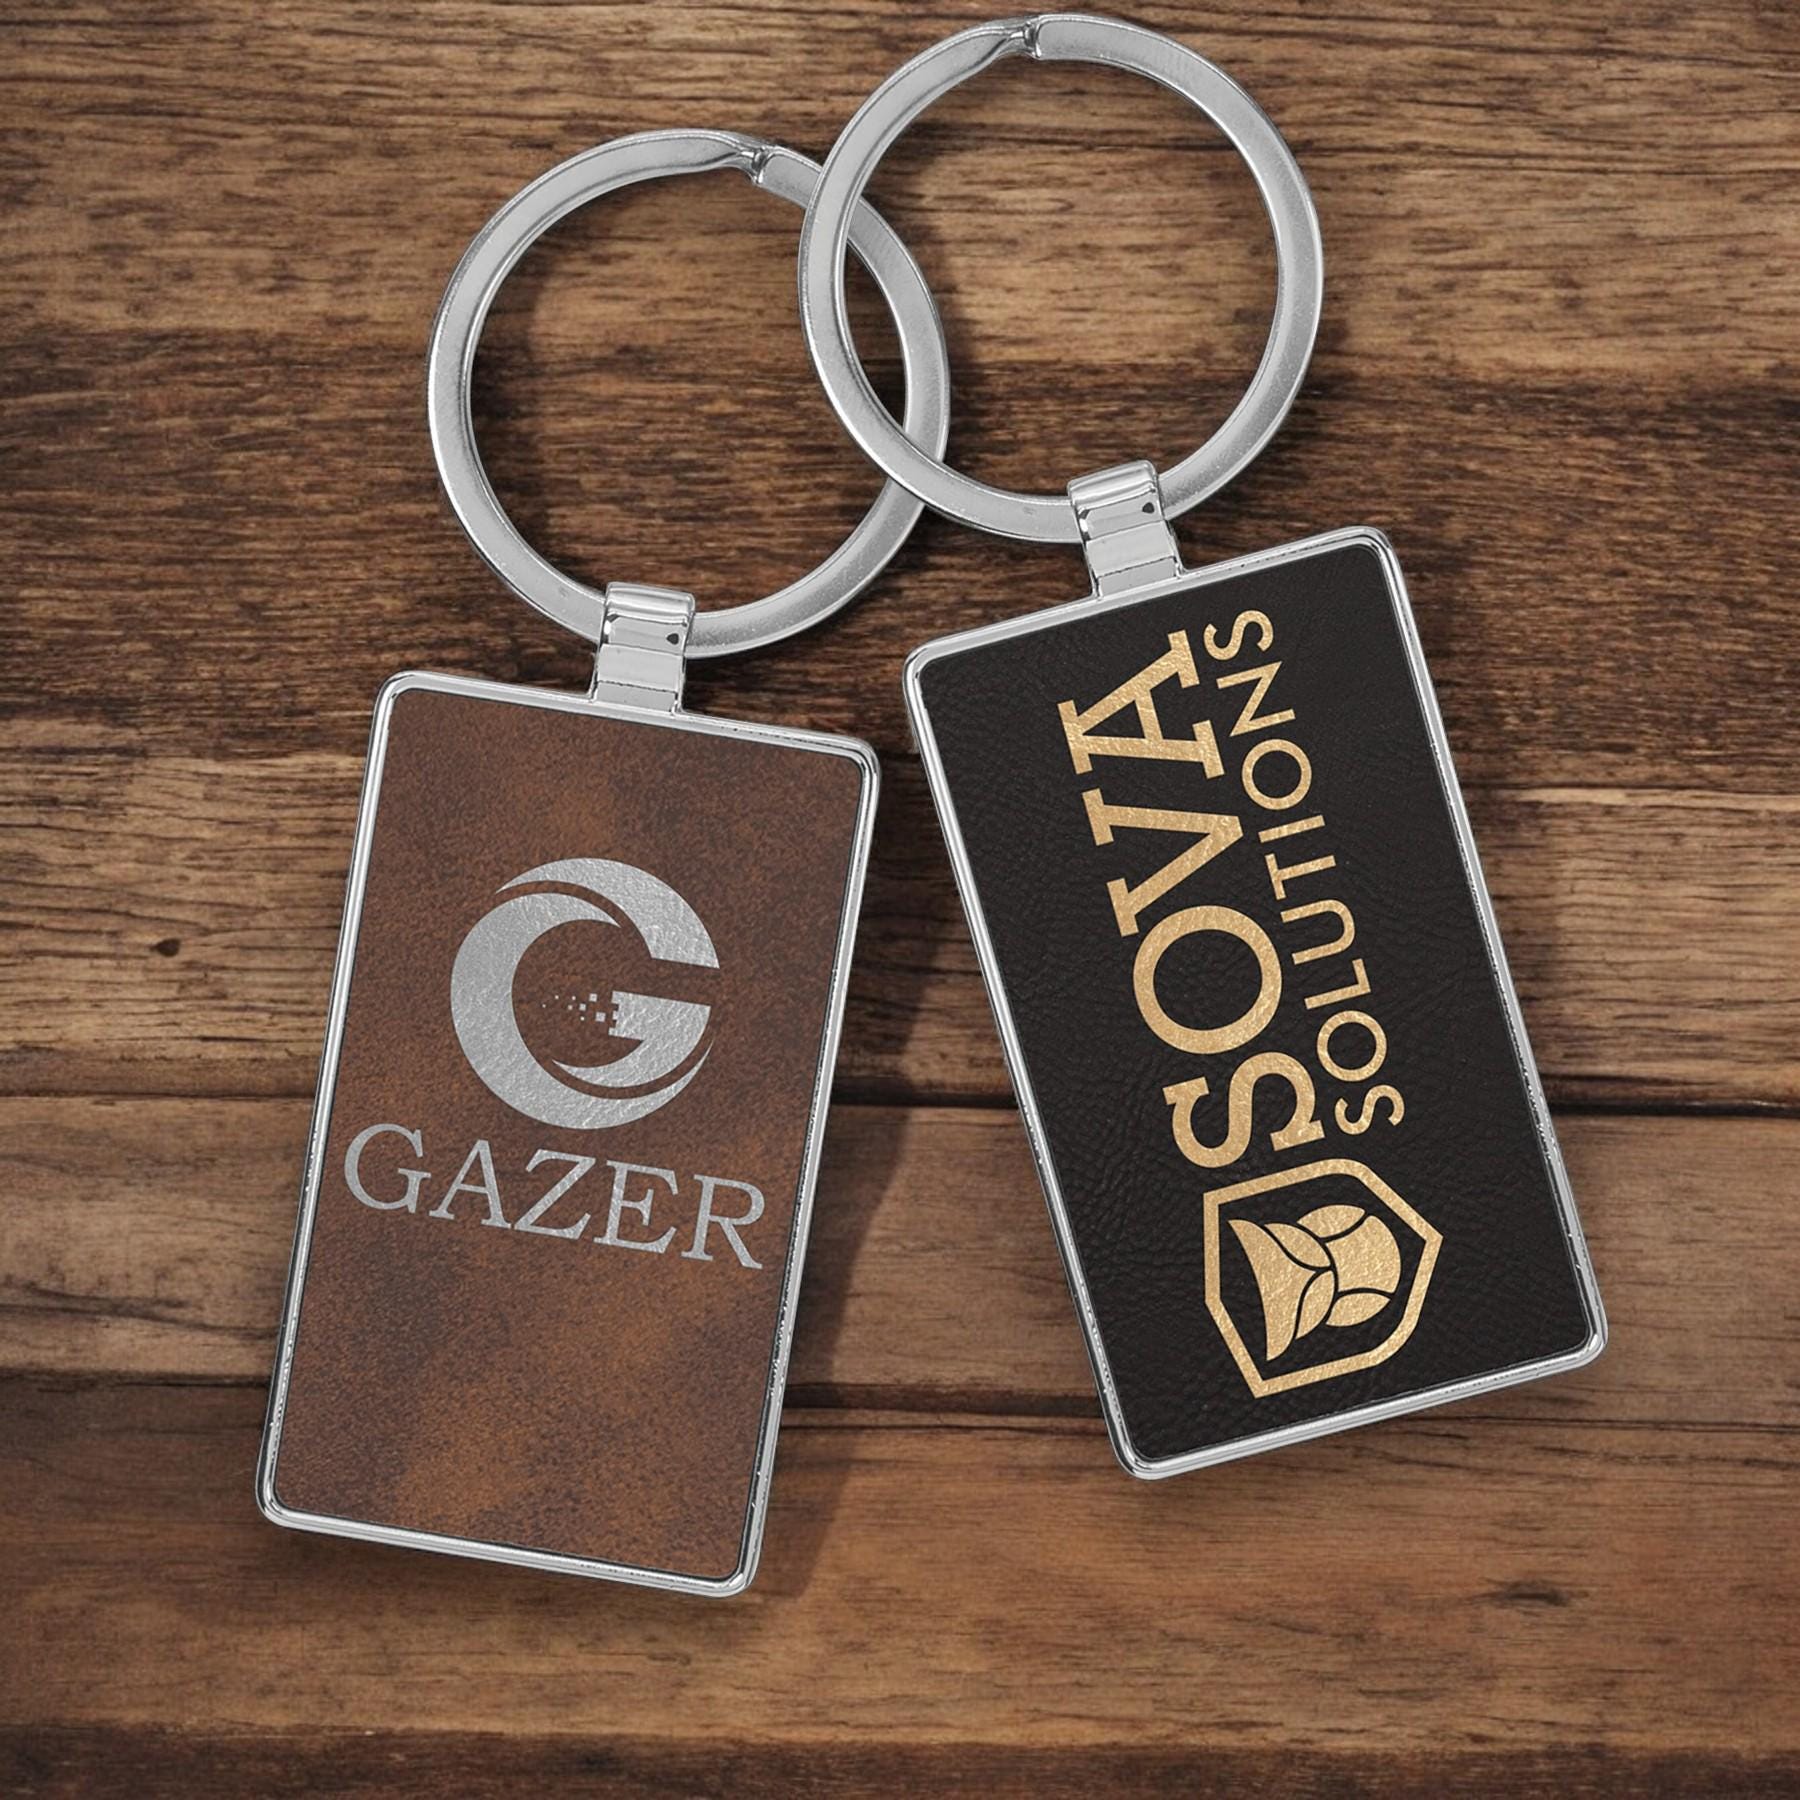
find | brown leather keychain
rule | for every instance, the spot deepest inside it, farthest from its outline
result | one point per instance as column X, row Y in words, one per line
column 580, row 1039
column 1227, row 903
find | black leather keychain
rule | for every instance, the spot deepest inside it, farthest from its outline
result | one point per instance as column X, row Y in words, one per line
column 1227, row 903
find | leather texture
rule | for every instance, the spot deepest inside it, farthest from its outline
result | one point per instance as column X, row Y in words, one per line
column 1181, row 1257
column 562, row 1393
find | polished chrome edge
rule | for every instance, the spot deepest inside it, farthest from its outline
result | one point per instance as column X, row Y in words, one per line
column 1154, row 1468
column 267, row 1498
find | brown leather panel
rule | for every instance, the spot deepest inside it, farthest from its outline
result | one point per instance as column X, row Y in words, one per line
column 556, row 1393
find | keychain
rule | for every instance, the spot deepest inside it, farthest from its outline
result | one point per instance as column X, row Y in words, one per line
column 1227, row 904
column 580, row 1038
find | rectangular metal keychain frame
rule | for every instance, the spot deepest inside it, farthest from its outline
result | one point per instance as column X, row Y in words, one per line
column 1042, row 1006
column 494, row 702
column 602, row 916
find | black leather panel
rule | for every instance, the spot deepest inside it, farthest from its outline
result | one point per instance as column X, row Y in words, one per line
column 1244, row 1286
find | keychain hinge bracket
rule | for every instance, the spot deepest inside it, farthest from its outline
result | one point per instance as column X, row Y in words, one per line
column 1124, row 535
column 641, row 659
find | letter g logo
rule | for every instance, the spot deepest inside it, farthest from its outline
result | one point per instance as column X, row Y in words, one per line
column 666, row 1033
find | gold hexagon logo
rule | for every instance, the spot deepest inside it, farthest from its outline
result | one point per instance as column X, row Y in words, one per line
column 1317, row 1272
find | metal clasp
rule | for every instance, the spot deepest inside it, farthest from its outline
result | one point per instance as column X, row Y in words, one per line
column 1124, row 535
column 641, row 659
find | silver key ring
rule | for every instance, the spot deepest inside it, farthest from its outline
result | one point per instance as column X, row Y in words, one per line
column 1059, row 37
column 490, row 259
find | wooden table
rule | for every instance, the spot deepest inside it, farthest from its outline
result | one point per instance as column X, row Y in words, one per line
column 1558, row 366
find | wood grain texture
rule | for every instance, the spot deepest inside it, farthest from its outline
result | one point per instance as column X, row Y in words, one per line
column 1596, row 573
column 247, row 167
column 1427, row 1585
column 1556, row 365
column 932, row 1284
column 175, row 919
column 1552, row 367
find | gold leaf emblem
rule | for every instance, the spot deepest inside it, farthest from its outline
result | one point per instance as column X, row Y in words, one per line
column 1333, row 1267
column 1339, row 1265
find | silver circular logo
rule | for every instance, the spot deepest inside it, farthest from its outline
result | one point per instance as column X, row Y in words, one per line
column 665, row 1033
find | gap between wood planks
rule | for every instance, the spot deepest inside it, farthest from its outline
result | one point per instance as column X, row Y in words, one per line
column 96, row 1762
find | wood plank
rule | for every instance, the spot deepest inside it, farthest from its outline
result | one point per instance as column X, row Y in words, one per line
column 264, row 542
column 172, row 920
column 1549, row 425
column 1437, row 1585
column 150, row 1238
column 155, row 1763
column 1494, row 191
